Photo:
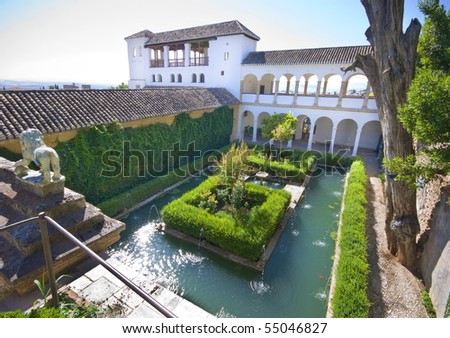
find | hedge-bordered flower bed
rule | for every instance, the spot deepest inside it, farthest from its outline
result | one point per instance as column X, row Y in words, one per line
column 245, row 240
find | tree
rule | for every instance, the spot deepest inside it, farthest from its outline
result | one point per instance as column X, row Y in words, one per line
column 279, row 127
column 121, row 86
column 426, row 114
column 390, row 69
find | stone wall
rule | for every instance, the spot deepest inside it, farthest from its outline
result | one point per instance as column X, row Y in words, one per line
column 434, row 214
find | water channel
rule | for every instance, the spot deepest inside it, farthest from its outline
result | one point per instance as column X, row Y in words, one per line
column 293, row 284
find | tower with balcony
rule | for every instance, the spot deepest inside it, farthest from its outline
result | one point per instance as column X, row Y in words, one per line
column 206, row 56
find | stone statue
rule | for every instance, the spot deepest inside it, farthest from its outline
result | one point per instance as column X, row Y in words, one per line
column 34, row 149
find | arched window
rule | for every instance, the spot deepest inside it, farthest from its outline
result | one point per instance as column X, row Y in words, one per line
column 202, row 78
column 194, row 78
column 153, row 78
column 159, row 78
column 179, row 78
column 172, row 77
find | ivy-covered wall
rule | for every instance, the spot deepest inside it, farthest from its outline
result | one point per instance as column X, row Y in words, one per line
column 104, row 161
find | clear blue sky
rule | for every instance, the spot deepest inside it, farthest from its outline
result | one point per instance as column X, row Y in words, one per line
column 83, row 40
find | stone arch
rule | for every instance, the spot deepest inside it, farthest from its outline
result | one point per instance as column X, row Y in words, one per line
column 286, row 84
column 370, row 135
column 250, row 84
column 323, row 129
column 247, row 122
column 261, row 116
column 266, row 84
column 311, row 84
column 331, row 85
column 346, row 133
column 301, row 85
column 357, row 85
column 303, row 129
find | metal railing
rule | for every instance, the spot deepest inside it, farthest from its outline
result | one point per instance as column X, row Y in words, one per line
column 43, row 222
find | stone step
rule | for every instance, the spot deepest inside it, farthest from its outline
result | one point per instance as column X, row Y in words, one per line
column 19, row 270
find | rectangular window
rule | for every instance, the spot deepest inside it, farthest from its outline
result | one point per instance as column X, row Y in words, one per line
column 137, row 51
column 222, row 73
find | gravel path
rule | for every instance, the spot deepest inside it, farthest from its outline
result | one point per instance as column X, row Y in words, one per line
column 393, row 290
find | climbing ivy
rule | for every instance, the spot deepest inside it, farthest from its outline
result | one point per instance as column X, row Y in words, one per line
column 105, row 160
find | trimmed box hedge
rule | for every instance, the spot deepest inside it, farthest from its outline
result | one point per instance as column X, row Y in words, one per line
column 246, row 240
column 350, row 298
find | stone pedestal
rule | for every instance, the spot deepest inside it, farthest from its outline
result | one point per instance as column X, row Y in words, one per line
column 32, row 182
column 21, row 255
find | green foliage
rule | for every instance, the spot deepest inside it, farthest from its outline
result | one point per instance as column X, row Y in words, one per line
column 8, row 154
column 350, row 295
column 426, row 114
column 434, row 45
column 279, row 127
column 121, row 86
column 426, row 300
column 104, row 161
column 224, row 229
column 129, row 198
column 293, row 164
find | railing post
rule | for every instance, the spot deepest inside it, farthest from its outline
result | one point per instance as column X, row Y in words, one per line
column 48, row 258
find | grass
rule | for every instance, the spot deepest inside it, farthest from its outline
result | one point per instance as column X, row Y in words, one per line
column 426, row 300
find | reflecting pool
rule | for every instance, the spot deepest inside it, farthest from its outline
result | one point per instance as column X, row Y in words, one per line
column 293, row 284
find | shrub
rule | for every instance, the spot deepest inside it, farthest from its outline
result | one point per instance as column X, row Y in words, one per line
column 131, row 197
column 350, row 294
column 245, row 239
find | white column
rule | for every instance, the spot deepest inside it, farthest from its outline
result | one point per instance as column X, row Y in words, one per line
column 333, row 138
column 255, row 127
column 187, row 54
column 240, row 132
column 166, row 56
column 316, row 100
column 311, row 135
column 296, row 91
column 355, row 147
column 366, row 96
column 277, row 87
column 258, row 84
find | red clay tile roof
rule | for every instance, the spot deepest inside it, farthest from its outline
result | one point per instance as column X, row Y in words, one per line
column 201, row 32
column 63, row 110
column 330, row 55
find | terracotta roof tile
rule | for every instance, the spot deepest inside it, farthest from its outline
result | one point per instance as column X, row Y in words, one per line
column 201, row 32
column 330, row 55
column 54, row 111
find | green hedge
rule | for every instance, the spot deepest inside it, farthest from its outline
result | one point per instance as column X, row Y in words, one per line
column 126, row 200
column 245, row 239
column 102, row 162
column 350, row 295
column 293, row 164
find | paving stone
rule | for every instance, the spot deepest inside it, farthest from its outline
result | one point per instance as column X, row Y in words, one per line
column 96, row 273
column 167, row 298
column 186, row 309
column 145, row 311
column 100, row 290
column 129, row 297
column 80, row 284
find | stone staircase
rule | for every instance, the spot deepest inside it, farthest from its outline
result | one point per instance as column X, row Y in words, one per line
column 21, row 255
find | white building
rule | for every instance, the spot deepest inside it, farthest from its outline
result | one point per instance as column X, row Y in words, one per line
column 336, row 109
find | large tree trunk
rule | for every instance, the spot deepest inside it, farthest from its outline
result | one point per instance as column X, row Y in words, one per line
column 390, row 70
